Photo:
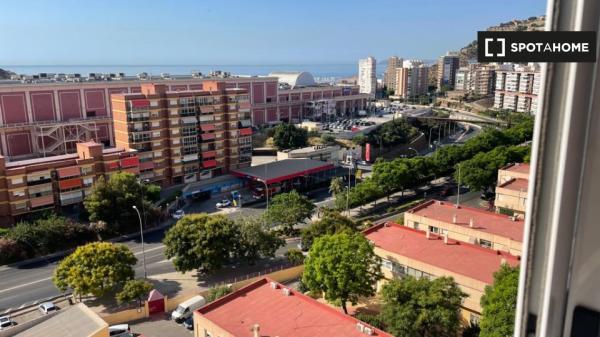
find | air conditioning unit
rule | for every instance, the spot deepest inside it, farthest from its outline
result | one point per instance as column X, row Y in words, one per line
column 360, row 327
column 286, row 291
column 368, row 331
column 273, row 285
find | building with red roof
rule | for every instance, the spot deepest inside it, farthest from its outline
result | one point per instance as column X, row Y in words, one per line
column 267, row 308
column 410, row 252
column 468, row 224
column 511, row 191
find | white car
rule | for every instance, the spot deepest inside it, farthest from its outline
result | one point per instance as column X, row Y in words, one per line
column 47, row 308
column 224, row 203
column 120, row 330
column 178, row 214
column 6, row 322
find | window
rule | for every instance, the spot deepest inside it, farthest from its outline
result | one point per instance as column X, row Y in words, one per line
column 19, row 193
column 434, row 229
column 485, row 243
column 15, row 181
column 386, row 264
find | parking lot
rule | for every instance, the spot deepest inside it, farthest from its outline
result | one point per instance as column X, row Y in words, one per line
column 160, row 326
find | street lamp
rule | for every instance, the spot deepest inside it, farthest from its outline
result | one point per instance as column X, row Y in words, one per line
column 142, row 236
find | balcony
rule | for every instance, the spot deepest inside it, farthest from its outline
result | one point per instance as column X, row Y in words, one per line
column 190, row 157
column 138, row 117
column 209, row 154
column 70, row 184
column 39, row 181
column 246, row 132
column 187, row 111
column 42, row 201
column 139, row 138
column 71, row 198
column 208, row 136
column 189, row 120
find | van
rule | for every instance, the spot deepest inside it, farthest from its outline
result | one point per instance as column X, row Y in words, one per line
column 185, row 309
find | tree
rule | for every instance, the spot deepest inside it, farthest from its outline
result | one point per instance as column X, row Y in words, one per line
column 332, row 222
column 152, row 192
column 288, row 209
column 254, row 241
column 342, row 266
column 327, row 139
column 112, row 201
column 287, row 136
column 201, row 241
column 498, row 303
column 217, row 292
column 134, row 290
column 95, row 268
column 10, row 251
column 294, row 256
column 422, row 307
column 360, row 140
column 336, row 185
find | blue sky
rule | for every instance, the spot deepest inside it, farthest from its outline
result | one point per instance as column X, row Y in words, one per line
column 251, row 32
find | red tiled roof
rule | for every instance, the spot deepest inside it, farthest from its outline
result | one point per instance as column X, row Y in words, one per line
column 462, row 258
column 517, row 184
column 484, row 221
column 296, row 315
column 517, row 167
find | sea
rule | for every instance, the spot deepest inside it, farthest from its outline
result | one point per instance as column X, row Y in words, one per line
column 323, row 72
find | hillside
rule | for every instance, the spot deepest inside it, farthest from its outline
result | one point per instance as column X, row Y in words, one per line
column 5, row 74
column 530, row 24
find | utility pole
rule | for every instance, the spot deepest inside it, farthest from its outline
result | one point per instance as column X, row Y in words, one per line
column 458, row 188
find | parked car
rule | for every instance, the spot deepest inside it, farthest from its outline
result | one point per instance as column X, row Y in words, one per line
column 6, row 322
column 224, row 203
column 120, row 330
column 185, row 309
column 178, row 214
column 47, row 308
column 189, row 323
column 487, row 195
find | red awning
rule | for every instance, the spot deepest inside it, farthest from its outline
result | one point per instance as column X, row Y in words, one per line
column 140, row 103
column 130, row 162
column 71, row 171
column 69, row 183
column 209, row 154
column 207, row 127
column 246, row 132
column 208, row 136
column 209, row 163
column 146, row 165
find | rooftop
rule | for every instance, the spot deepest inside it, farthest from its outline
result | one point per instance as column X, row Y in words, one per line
column 282, row 170
column 517, row 184
column 294, row 78
column 484, row 221
column 462, row 258
column 277, row 314
column 75, row 321
column 62, row 157
column 517, row 167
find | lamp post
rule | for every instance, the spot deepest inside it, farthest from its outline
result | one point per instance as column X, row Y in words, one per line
column 142, row 184
column 142, row 236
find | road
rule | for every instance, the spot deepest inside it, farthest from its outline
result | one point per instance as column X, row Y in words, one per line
column 32, row 283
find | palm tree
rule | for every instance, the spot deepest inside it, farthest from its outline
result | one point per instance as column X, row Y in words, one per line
column 336, row 186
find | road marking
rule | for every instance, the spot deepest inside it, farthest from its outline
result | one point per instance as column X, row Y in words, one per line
column 149, row 250
column 25, row 284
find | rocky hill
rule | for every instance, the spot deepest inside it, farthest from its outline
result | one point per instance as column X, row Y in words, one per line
column 5, row 74
column 530, row 24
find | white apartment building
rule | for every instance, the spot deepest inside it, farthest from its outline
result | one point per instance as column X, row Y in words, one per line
column 517, row 87
column 411, row 79
column 476, row 79
column 367, row 76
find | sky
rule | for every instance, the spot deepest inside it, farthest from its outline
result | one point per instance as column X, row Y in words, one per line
column 243, row 32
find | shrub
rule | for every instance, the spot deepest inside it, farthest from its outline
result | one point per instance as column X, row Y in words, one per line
column 217, row 292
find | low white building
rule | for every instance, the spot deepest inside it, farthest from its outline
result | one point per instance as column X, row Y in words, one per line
column 331, row 154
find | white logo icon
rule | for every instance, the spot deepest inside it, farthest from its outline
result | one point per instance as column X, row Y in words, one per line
column 502, row 41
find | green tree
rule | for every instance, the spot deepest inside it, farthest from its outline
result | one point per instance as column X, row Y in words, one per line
column 152, row 192
column 498, row 303
column 422, row 307
column 111, row 201
column 336, row 185
column 287, row 136
column 134, row 290
column 254, row 241
column 360, row 140
column 201, row 241
column 217, row 292
column 95, row 268
column 332, row 222
column 288, row 209
column 294, row 256
column 342, row 266
column 327, row 139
